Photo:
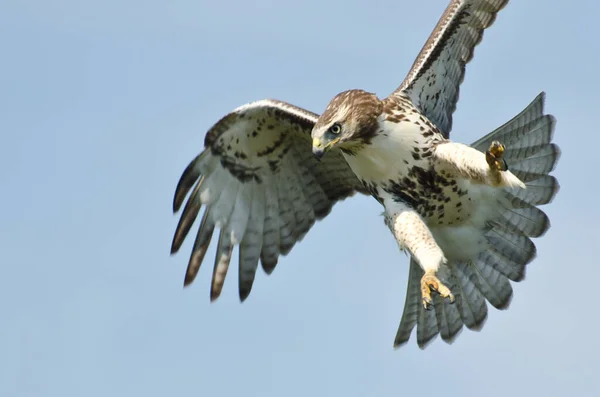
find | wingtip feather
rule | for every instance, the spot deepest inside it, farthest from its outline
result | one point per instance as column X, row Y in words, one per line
column 190, row 212
column 187, row 179
column 269, row 266
column 222, row 260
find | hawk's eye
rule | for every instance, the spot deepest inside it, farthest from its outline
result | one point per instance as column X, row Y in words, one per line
column 335, row 129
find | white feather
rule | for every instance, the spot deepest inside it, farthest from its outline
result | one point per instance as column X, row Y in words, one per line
column 238, row 221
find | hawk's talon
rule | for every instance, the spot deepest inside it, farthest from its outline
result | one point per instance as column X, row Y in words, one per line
column 494, row 157
column 427, row 302
column 430, row 283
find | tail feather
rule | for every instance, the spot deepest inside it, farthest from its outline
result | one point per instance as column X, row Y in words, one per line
column 512, row 269
column 531, row 156
column 412, row 304
column 527, row 120
column 541, row 163
column 427, row 327
column 448, row 319
column 511, row 245
column 528, row 220
column 528, row 138
column 539, row 192
column 495, row 286
column 471, row 302
column 444, row 318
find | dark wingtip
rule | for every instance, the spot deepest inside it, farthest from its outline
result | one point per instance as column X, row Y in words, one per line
column 244, row 293
column 185, row 183
column 176, row 242
column 199, row 251
column 505, row 304
column 268, row 266
column 187, row 282
column 214, row 295
column 399, row 343
column 188, row 217
column 185, row 224
column 191, row 272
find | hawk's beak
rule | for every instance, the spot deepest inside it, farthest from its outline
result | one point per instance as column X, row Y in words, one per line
column 319, row 148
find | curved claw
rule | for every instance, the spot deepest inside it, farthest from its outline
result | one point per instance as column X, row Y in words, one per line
column 430, row 283
column 494, row 156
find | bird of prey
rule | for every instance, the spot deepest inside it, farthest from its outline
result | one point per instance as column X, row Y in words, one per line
column 465, row 213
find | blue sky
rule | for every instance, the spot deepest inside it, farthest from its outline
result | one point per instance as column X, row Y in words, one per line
column 103, row 104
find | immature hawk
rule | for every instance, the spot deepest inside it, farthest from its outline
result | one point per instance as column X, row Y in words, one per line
column 270, row 170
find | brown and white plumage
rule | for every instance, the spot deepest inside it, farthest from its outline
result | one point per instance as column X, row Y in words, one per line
column 270, row 170
column 531, row 156
column 433, row 82
column 261, row 186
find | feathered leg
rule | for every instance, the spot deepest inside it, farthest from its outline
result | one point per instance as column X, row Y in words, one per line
column 413, row 234
column 489, row 168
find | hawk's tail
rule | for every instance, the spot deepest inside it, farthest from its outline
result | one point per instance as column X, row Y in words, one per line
column 531, row 156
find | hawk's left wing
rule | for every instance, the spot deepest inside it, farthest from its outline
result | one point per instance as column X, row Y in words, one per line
column 434, row 79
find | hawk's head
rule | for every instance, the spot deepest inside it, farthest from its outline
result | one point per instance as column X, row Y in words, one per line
column 350, row 119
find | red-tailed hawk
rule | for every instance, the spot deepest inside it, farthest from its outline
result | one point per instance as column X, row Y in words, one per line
column 269, row 170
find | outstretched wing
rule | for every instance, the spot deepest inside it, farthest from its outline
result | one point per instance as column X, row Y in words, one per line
column 261, row 186
column 433, row 81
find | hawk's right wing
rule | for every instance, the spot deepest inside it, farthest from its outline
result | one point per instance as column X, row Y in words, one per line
column 261, row 186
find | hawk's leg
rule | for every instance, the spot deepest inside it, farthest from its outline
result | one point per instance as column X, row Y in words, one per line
column 487, row 168
column 430, row 283
column 412, row 234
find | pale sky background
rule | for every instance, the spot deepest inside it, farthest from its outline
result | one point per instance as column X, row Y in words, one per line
column 103, row 104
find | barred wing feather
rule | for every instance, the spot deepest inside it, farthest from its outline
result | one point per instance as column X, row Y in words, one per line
column 433, row 82
column 260, row 186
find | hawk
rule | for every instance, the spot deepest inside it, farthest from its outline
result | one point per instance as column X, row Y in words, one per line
column 465, row 213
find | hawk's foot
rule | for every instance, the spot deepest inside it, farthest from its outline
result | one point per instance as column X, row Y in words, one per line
column 494, row 157
column 430, row 283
